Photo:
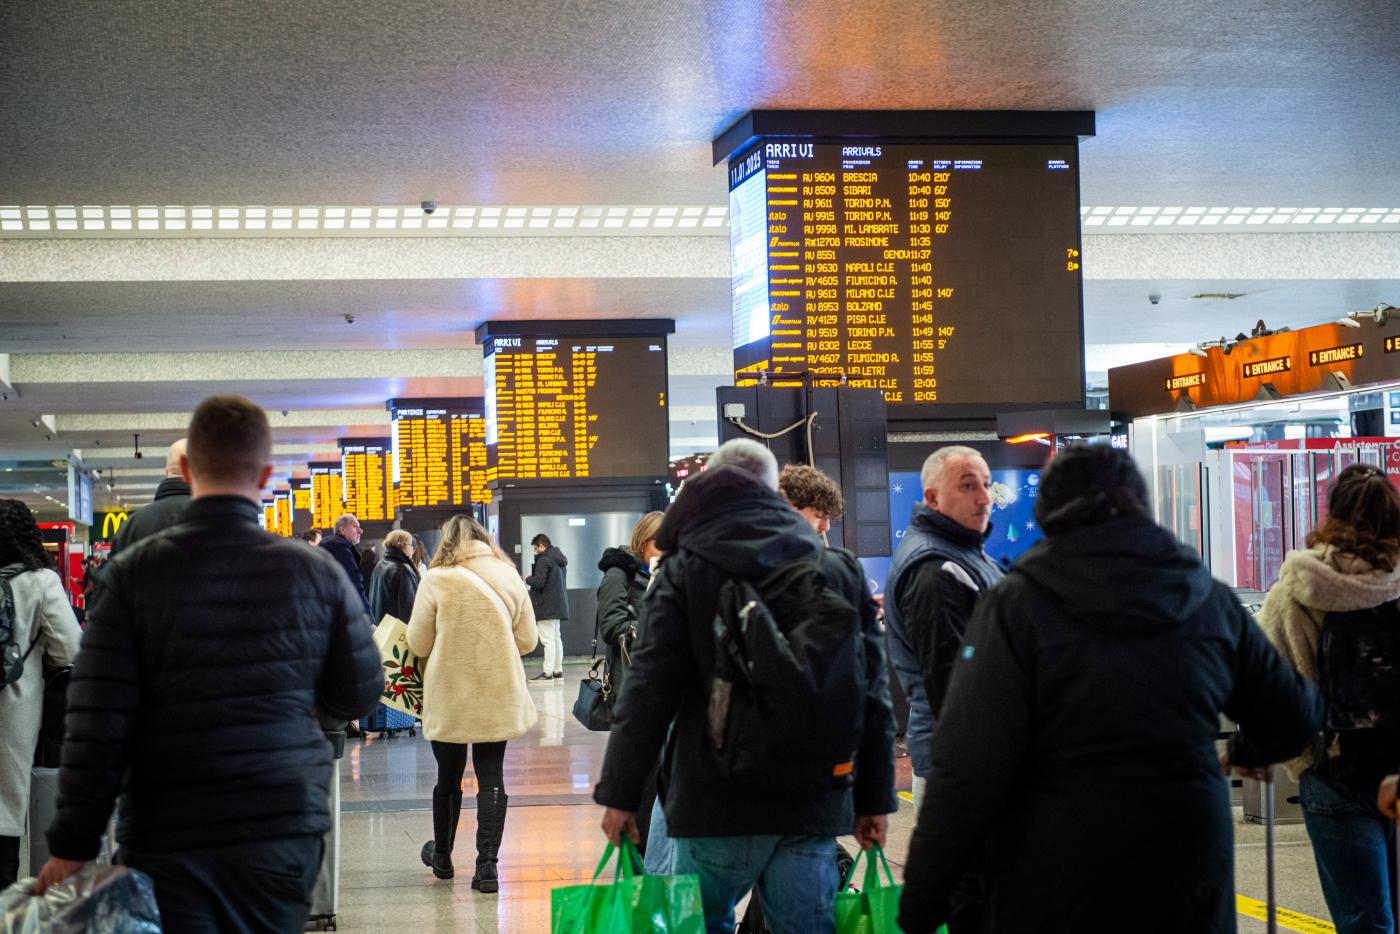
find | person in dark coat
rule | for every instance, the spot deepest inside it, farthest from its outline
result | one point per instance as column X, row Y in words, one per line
column 172, row 496
column 731, row 522
column 394, row 583
column 548, row 581
column 626, row 574
column 1088, row 691
column 341, row 546
column 196, row 700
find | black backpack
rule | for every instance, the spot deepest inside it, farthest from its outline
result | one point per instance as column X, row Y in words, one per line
column 787, row 702
column 12, row 656
column 1358, row 668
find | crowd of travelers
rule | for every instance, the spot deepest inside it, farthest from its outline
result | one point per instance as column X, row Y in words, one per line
column 748, row 666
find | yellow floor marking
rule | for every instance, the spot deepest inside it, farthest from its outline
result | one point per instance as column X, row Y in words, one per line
column 1288, row 920
column 906, row 795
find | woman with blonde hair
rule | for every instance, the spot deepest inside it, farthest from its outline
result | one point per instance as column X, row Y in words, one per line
column 471, row 622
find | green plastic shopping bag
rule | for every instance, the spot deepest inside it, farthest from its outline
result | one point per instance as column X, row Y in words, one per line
column 635, row 903
column 874, row 907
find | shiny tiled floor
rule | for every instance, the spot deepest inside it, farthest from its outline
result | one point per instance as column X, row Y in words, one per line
column 552, row 836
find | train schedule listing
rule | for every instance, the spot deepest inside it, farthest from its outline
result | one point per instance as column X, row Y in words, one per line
column 938, row 273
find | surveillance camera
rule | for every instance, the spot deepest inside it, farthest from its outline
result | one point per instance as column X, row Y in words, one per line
column 1154, row 299
column 429, row 207
column 349, row 319
column 284, row 413
column 47, row 436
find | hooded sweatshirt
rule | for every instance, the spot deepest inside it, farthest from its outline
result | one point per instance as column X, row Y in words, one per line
column 1310, row 585
column 1088, row 692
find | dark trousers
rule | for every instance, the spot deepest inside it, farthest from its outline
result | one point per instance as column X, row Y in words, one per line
column 9, row 861
column 488, row 764
column 264, row 886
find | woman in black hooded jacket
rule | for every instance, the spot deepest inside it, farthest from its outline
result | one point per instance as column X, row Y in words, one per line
column 626, row 574
column 1075, row 755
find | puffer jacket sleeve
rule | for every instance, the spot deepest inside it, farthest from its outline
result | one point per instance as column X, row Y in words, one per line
column 615, row 617
column 972, row 779
column 1279, row 711
column 103, row 701
column 352, row 677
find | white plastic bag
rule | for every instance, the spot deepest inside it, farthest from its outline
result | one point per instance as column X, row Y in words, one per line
column 95, row 900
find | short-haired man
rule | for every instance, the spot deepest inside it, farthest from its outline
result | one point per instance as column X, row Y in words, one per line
column 548, row 581
column 938, row 572
column 196, row 699
column 172, row 496
column 730, row 523
column 312, row 537
column 813, row 494
column 341, row 545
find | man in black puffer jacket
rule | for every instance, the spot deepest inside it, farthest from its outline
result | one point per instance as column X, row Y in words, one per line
column 210, row 651
column 172, row 496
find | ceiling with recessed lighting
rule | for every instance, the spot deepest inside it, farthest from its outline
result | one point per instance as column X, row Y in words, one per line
column 244, row 181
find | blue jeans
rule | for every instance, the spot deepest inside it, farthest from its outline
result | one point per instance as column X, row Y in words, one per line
column 794, row 876
column 1354, row 846
column 660, row 849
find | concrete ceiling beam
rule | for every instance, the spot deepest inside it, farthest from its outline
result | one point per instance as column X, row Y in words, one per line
column 178, row 421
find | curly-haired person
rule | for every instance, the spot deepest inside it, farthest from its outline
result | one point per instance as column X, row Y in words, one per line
column 813, row 494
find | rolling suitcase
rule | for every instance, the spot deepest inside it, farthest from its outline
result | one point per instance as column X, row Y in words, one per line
column 388, row 722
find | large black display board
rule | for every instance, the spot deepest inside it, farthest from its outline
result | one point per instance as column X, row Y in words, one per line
column 562, row 407
column 440, row 458
column 943, row 273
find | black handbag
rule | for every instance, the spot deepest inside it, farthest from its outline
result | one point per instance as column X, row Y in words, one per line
column 593, row 707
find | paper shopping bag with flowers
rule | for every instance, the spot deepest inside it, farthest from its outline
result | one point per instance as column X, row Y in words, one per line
column 403, row 674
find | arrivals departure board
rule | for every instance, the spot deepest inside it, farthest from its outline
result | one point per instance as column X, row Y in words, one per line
column 283, row 514
column 367, row 471
column 269, row 515
column 561, row 408
column 301, row 495
column 938, row 273
column 440, row 457
column 327, row 495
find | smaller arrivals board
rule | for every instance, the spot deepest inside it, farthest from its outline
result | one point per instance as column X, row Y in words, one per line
column 327, row 495
column 269, row 515
column 439, row 452
column 367, row 470
column 301, row 495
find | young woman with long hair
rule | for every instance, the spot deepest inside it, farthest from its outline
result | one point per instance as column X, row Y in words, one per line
column 471, row 622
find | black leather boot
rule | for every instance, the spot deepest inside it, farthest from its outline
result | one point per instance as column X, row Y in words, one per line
column 490, row 827
column 437, row 852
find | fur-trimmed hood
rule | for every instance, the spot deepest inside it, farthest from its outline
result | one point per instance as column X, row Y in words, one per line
column 1324, row 579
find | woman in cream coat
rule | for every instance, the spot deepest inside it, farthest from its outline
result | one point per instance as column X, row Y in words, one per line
column 471, row 622
column 46, row 629
column 1352, row 563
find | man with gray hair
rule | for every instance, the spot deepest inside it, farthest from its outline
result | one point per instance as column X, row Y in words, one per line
column 729, row 532
column 341, row 545
column 939, row 571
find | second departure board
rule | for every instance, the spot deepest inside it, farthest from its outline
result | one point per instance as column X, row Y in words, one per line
column 570, row 408
column 283, row 501
column 367, row 471
column 327, row 495
column 301, row 495
column 938, row 273
column 439, row 447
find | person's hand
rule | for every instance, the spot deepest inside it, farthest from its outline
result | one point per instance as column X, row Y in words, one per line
column 871, row 828
column 1385, row 796
column 1264, row 774
column 55, row 871
column 618, row 822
